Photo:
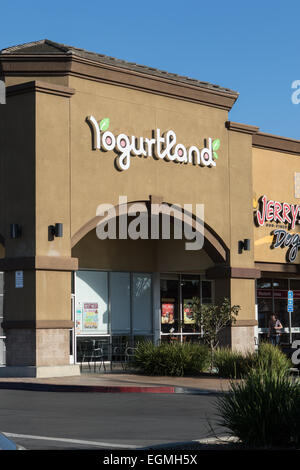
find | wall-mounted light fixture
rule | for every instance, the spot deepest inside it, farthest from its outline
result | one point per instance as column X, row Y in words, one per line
column 15, row 231
column 244, row 245
column 55, row 231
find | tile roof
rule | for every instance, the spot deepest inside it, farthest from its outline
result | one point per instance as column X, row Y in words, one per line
column 47, row 47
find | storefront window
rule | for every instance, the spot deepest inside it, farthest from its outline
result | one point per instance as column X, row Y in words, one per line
column 119, row 284
column 190, row 288
column 272, row 297
column 206, row 294
column 114, row 309
column 91, row 310
column 177, row 294
column 169, row 289
column 141, row 304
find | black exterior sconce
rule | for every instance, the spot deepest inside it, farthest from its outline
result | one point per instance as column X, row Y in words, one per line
column 55, row 231
column 15, row 231
column 244, row 245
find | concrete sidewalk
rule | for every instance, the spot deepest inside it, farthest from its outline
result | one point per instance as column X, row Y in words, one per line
column 120, row 382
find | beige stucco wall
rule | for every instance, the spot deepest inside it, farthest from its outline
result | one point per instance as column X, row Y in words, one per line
column 52, row 173
column 95, row 179
column 240, row 193
column 242, row 293
column 273, row 176
column 59, row 178
column 139, row 255
column 53, row 299
column 17, row 188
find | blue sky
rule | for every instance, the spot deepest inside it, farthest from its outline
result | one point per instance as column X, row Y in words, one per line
column 251, row 47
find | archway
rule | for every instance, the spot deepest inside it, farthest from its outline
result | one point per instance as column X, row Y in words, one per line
column 214, row 246
column 128, row 286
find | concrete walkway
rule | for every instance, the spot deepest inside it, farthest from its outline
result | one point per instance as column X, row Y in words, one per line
column 120, row 382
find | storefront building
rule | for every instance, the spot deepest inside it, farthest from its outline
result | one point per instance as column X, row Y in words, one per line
column 80, row 130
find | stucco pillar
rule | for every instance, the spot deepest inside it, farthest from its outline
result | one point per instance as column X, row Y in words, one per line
column 243, row 331
column 241, row 335
column 35, row 147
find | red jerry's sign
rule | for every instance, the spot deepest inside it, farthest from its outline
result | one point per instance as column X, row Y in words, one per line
column 281, row 213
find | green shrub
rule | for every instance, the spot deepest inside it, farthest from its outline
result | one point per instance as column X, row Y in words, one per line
column 271, row 358
column 263, row 410
column 233, row 364
column 174, row 359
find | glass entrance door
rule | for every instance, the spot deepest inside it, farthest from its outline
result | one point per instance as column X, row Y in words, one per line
column 176, row 293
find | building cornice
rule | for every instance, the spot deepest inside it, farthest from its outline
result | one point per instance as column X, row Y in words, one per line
column 39, row 87
column 243, row 128
column 72, row 65
column 278, row 268
column 276, row 143
column 37, row 324
column 229, row 272
column 43, row 263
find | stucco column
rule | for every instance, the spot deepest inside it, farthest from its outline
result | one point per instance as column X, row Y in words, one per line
column 35, row 146
column 242, row 269
column 234, row 284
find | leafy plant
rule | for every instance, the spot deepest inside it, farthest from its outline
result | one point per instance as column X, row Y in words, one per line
column 263, row 410
column 271, row 358
column 174, row 359
column 233, row 364
column 212, row 319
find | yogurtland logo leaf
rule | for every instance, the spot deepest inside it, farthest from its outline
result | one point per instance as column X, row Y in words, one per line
column 216, row 145
column 104, row 124
column 162, row 146
column 2, row 92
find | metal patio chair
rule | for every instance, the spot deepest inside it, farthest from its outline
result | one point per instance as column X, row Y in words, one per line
column 98, row 355
column 84, row 353
column 118, row 355
column 129, row 356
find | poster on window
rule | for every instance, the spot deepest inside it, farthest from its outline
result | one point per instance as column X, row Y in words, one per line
column 167, row 313
column 188, row 315
column 78, row 319
column 90, row 318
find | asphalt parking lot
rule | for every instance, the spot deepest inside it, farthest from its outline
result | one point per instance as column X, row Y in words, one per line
column 52, row 420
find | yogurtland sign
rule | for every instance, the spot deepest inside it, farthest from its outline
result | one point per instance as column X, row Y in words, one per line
column 161, row 146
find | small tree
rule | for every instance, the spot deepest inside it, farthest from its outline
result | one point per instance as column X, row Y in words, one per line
column 212, row 319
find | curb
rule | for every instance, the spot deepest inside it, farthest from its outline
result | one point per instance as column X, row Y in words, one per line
column 225, row 439
column 41, row 387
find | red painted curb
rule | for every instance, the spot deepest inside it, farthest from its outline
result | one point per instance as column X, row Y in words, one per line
column 83, row 388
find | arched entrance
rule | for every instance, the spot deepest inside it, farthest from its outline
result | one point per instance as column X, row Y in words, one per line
column 128, row 289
